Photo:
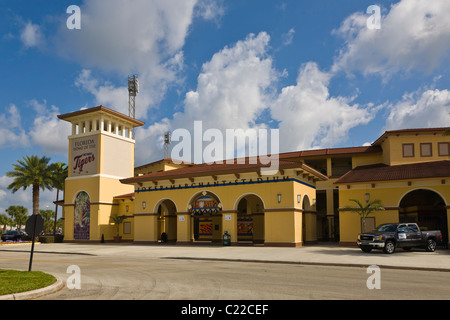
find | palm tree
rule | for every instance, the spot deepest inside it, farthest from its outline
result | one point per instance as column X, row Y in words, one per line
column 60, row 173
column 4, row 222
column 33, row 172
column 19, row 215
column 47, row 215
column 117, row 221
column 364, row 211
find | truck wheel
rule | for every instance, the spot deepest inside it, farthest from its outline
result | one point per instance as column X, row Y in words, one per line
column 389, row 247
column 431, row 245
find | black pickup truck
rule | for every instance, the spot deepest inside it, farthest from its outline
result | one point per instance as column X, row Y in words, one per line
column 390, row 236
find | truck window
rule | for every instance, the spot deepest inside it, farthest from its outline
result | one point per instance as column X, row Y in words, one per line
column 386, row 228
column 413, row 228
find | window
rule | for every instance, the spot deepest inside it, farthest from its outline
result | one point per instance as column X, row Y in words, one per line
column 370, row 224
column 408, row 150
column 413, row 228
column 444, row 148
column 425, row 150
column 126, row 227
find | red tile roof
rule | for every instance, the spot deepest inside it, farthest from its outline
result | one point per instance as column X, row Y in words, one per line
column 220, row 169
column 330, row 152
column 126, row 196
column 382, row 172
column 410, row 131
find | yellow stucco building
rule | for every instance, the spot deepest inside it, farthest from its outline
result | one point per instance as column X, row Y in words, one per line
column 408, row 170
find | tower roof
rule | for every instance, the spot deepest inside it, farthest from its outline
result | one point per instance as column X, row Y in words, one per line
column 100, row 109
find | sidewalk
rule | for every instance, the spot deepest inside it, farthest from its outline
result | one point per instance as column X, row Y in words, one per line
column 321, row 254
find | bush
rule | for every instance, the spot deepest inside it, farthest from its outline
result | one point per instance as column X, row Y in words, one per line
column 51, row 238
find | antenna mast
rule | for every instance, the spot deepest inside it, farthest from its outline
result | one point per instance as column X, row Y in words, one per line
column 133, row 89
column 167, row 140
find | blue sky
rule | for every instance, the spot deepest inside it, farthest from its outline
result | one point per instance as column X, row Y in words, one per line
column 312, row 69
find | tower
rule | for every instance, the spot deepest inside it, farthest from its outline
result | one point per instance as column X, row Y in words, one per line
column 101, row 152
column 167, row 141
column 133, row 90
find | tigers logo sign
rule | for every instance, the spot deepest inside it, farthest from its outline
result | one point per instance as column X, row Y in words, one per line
column 84, row 156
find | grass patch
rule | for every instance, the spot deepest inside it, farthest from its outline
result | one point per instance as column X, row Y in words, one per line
column 12, row 281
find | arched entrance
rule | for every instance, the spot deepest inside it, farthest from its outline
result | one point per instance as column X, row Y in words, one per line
column 306, row 206
column 250, row 219
column 82, row 216
column 206, row 212
column 167, row 221
column 426, row 208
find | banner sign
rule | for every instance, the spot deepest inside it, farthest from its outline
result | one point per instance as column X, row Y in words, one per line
column 84, row 156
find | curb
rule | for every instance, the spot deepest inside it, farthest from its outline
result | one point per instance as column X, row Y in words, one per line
column 327, row 264
column 29, row 295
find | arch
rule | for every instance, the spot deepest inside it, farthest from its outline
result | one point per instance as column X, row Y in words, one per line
column 74, row 198
column 202, row 193
column 162, row 201
column 82, row 216
column 306, row 205
column 166, row 210
column 205, row 208
column 250, row 218
column 421, row 188
column 427, row 208
column 236, row 203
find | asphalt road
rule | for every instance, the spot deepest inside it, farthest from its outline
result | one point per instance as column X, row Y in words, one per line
column 139, row 277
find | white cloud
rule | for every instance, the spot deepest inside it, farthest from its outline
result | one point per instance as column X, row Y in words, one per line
column 238, row 84
column 31, row 35
column 414, row 35
column 232, row 91
column 210, row 9
column 288, row 37
column 48, row 132
column 24, row 198
column 429, row 108
column 145, row 38
column 11, row 133
column 311, row 118
column 233, row 85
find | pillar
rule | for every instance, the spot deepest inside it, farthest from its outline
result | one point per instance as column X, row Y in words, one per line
column 183, row 228
column 229, row 223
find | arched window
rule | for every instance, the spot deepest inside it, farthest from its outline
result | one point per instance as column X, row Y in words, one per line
column 82, row 216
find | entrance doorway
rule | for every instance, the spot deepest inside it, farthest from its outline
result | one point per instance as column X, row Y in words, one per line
column 250, row 220
column 206, row 215
column 167, row 221
column 426, row 208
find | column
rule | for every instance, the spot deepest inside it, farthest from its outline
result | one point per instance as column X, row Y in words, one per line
column 183, row 227
column 283, row 228
column 229, row 223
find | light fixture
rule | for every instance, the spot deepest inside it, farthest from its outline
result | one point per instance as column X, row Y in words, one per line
column 144, row 204
column 127, row 208
column 314, row 202
column 367, row 195
column 299, row 197
column 279, row 198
